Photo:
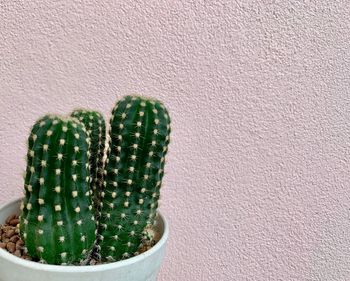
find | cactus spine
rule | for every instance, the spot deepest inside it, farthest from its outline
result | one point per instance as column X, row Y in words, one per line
column 139, row 140
column 96, row 129
column 57, row 222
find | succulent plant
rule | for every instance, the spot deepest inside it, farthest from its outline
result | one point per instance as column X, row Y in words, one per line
column 69, row 191
column 96, row 129
column 139, row 139
column 57, row 222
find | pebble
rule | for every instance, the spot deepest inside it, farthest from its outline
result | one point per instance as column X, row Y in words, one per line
column 10, row 218
column 14, row 239
column 14, row 222
column 11, row 247
column 19, row 244
column 18, row 253
column 10, row 233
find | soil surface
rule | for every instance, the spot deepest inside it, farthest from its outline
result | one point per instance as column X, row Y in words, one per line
column 10, row 240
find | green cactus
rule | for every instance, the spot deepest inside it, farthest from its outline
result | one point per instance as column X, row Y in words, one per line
column 57, row 222
column 140, row 129
column 96, row 128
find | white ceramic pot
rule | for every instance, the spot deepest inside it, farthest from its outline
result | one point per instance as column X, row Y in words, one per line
column 144, row 267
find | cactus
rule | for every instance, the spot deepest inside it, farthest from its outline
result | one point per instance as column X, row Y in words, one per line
column 96, row 128
column 57, row 222
column 134, row 170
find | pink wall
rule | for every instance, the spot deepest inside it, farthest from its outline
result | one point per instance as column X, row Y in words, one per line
column 257, row 182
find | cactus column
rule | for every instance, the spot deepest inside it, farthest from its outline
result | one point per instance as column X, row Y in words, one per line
column 57, row 222
column 140, row 130
column 96, row 129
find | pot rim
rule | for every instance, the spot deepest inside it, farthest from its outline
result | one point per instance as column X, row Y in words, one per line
column 85, row 268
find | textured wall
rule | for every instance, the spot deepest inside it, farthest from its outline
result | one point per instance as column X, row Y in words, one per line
column 257, row 182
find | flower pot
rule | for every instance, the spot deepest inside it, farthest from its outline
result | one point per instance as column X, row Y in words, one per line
column 143, row 267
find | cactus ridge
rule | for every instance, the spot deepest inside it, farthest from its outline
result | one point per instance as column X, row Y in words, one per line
column 57, row 222
column 96, row 128
column 139, row 139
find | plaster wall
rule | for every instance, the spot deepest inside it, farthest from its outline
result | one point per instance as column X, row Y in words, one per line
column 258, row 173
